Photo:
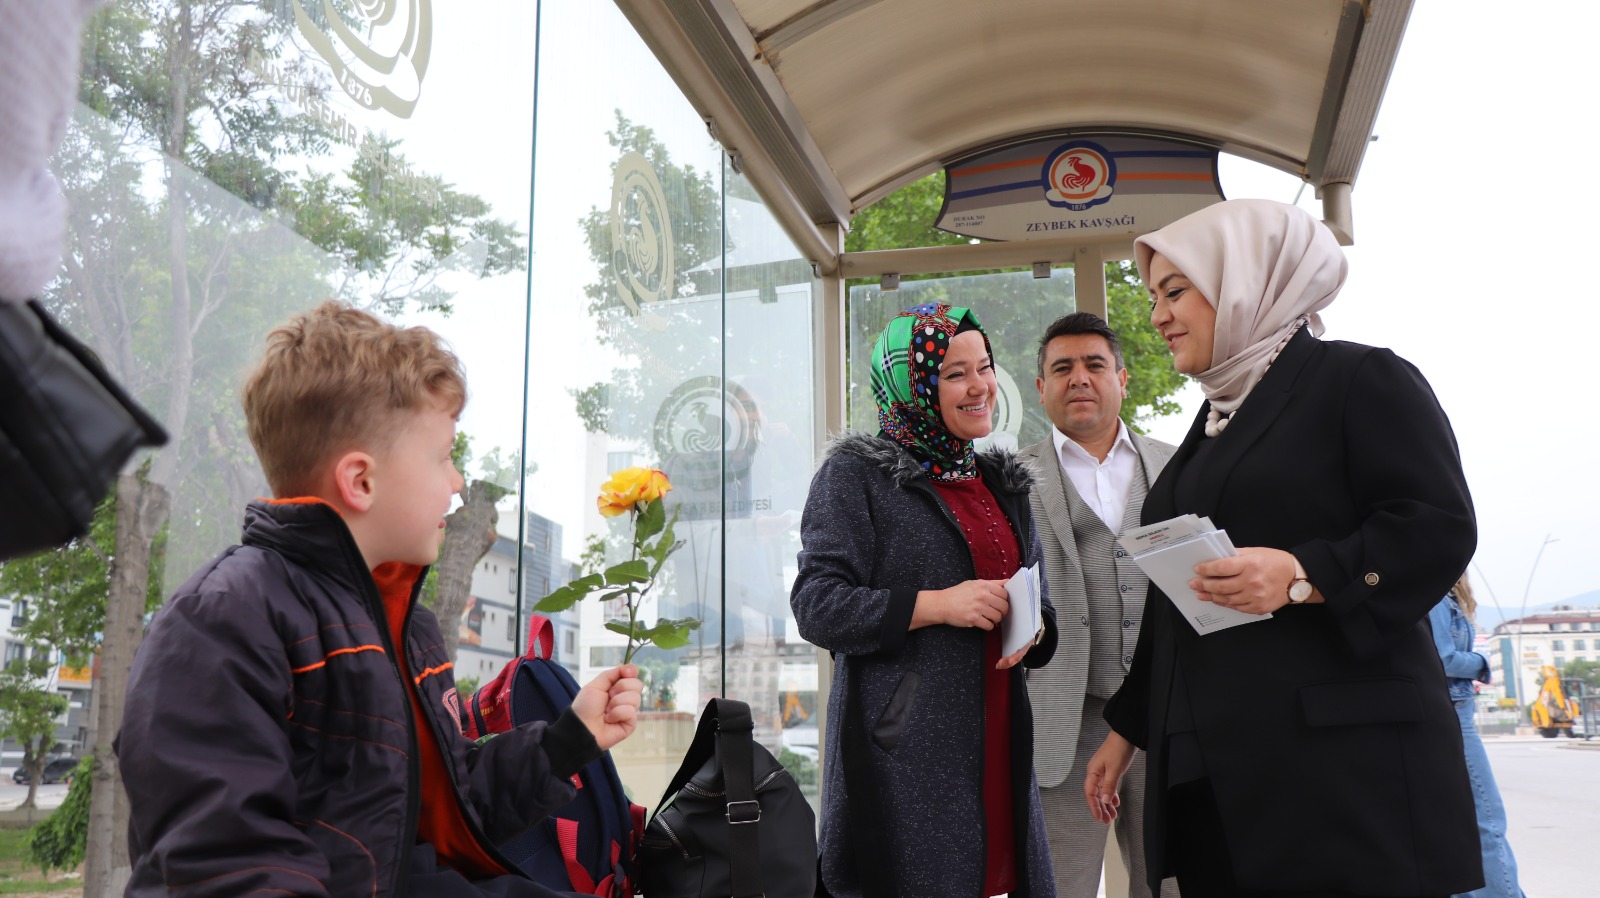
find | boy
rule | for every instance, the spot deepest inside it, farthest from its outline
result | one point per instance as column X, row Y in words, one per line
column 290, row 724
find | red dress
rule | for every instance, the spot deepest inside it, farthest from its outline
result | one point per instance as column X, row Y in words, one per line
column 995, row 556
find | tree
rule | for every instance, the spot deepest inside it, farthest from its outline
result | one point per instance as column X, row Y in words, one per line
column 28, row 712
column 469, row 534
column 66, row 588
column 58, row 842
column 693, row 215
column 1585, row 672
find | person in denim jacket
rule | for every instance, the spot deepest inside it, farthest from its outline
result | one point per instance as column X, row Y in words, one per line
column 1451, row 620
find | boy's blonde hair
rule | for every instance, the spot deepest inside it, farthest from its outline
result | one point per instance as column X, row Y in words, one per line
column 335, row 379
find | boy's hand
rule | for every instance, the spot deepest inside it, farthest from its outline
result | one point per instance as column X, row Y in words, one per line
column 609, row 705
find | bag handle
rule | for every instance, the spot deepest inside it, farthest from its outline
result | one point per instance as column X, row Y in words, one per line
column 725, row 732
column 541, row 638
column 736, row 757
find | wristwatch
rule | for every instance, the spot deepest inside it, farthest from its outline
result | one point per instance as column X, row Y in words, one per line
column 1300, row 588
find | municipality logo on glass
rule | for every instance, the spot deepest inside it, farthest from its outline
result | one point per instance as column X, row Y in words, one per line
column 378, row 49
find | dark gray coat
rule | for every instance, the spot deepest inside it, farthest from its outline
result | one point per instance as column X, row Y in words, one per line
column 908, row 706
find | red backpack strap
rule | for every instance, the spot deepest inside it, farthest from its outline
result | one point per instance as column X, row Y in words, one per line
column 567, row 836
column 541, row 638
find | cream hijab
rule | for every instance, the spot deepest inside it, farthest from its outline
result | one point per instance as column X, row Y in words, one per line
column 1267, row 268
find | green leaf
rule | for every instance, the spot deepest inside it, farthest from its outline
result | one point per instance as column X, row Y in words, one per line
column 672, row 634
column 565, row 597
column 650, row 521
column 666, row 545
column 636, row 571
column 636, row 633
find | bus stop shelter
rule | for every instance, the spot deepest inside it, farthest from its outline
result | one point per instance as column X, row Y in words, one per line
column 827, row 106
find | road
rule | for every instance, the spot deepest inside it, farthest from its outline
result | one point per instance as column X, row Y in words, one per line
column 12, row 794
column 1552, row 794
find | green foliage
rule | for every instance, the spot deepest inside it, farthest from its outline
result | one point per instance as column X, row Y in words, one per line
column 593, row 558
column 398, row 231
column 58, row 843
column 1151, row 378
column 694, row 213
column 66, row 587
column 802, row 768
column 466, row 686
column 1585, row 672
column 28, row 710
column 902, row 220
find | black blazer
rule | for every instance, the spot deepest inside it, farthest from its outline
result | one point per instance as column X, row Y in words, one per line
column 1327, row 731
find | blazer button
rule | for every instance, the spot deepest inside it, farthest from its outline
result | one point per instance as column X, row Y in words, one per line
column 1125, row 587
column 1127, row 659
column 1121, row 554
column 1085, row 620
column 1126, row 623
column 1372, row 579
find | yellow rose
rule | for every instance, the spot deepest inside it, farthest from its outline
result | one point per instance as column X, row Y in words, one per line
column 629, row 487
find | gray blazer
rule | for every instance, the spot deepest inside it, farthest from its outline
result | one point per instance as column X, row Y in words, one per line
column 1057, row 689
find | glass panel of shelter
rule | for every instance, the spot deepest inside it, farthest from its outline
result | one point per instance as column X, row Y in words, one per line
column 282, row 177
column 671, row 329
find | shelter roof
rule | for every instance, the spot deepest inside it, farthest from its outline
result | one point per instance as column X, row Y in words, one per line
column 833, row 104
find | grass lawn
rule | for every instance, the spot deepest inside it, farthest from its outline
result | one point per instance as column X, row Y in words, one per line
column 20, row 877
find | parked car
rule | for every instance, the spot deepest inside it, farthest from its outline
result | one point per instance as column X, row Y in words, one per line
column 56, row 771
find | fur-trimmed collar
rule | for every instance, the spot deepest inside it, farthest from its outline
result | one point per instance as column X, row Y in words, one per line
column 1009, row 472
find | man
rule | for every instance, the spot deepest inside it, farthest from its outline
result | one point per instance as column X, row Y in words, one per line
column 1091, row 475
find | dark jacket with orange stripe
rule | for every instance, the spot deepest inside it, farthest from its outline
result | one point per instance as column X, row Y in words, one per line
column 269, row 743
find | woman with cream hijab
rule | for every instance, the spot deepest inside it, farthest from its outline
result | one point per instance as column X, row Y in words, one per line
column 1311, row 752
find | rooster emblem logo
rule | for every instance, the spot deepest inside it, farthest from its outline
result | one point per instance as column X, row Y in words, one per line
column 701, row 420
column 1079, row 175
column 378, row 49
column 641, row 233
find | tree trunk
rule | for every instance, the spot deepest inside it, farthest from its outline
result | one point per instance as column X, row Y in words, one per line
column 33, row 762
column 143, row 503
column 142, row 509
column 469, row 534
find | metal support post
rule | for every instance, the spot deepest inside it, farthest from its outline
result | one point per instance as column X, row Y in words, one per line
column 1089, row 282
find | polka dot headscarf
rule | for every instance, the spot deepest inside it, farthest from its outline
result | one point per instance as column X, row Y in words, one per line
column 905, row 383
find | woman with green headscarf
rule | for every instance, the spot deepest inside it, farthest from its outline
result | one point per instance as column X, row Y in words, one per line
column 907, row 541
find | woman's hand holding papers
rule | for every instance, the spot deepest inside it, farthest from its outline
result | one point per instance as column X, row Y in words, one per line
column 974, row 603
column 1255, row 581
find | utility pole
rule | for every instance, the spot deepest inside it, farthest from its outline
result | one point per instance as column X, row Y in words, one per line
column 1524, row 613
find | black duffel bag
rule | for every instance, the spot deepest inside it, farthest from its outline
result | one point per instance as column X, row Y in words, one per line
column 66, row 429
column 733, row 823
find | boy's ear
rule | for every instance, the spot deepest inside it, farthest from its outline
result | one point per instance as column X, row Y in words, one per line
column 352, row 478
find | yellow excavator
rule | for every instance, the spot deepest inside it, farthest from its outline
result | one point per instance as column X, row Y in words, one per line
column 1553, row 713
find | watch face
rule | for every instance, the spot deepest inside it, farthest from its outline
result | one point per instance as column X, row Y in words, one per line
column 1299, row 591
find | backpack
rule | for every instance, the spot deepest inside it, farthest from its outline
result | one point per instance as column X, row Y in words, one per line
column 588, row 845
column 733, row 822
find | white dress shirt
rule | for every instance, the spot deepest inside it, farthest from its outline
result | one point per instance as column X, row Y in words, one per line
column 1103, row 486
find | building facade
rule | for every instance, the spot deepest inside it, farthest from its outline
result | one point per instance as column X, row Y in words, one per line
column 1557, row 637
